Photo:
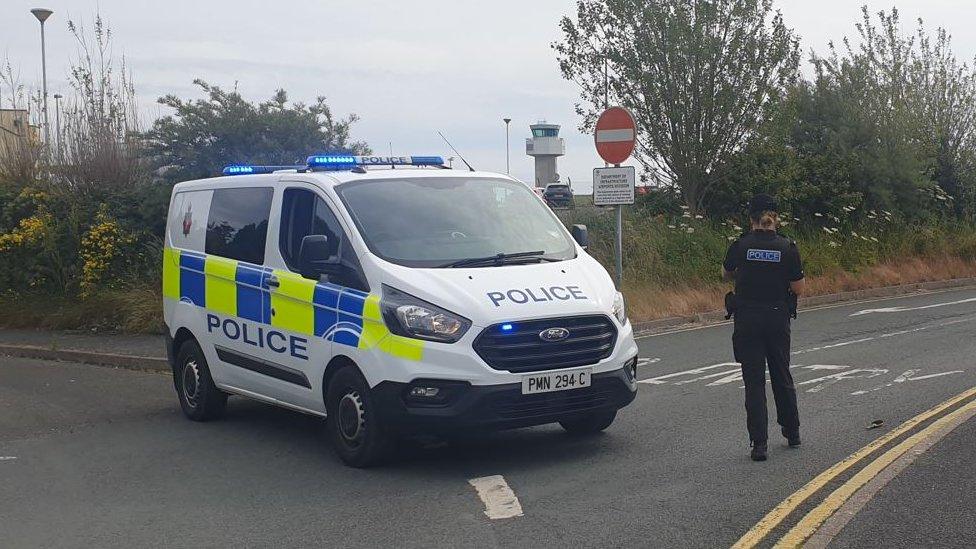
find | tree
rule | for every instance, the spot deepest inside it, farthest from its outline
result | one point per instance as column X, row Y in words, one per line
column 700, row 76
column 945, row 92
column 205, row 135
column 905, row 114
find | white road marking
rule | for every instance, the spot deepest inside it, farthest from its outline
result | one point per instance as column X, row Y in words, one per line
column 825, row 367
column 833, row 345
column 660, row 380
column 930, row 376
column 900, row 379
column 826, row 381
column 917, row 308
column 500, row 501
column 909, row 375
column 641, row 362
column 709, row 376
column 814, row 367
column 7, row 458
column 732, row 376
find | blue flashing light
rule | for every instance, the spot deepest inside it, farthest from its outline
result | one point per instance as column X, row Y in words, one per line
column 333, row 161
column 245, row 169
column 238, row 170
column 507, row 327
column 345, row 161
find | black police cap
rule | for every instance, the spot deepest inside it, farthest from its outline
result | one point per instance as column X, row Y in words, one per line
column 762, row 202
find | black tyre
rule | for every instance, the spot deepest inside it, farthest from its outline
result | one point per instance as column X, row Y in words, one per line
column 200, row 399
column 353, row 425
column 588, row 425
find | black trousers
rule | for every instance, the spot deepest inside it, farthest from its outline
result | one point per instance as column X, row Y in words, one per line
column 762, row 339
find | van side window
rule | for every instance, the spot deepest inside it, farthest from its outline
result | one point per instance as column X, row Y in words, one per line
column 304, row 213
column 237, row 227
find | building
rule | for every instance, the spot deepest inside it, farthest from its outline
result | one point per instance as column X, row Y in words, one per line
column 16, row 132
column 545, row 146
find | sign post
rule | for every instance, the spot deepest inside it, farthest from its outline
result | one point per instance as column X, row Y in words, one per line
column 615, row 137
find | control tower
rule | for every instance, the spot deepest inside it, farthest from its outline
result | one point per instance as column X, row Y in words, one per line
column 545, row 146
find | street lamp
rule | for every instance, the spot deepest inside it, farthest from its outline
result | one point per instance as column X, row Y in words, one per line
column 57, row 121
column 42, row 14
column 508, row 167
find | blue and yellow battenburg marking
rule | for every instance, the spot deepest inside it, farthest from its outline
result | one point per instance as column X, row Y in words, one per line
column 230, row 287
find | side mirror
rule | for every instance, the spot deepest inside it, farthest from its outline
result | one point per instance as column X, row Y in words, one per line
column 580, row 235
column 315, row 258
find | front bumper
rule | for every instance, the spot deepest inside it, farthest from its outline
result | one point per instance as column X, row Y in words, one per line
column 494, row 407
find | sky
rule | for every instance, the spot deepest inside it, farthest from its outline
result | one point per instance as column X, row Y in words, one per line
column 408, row 69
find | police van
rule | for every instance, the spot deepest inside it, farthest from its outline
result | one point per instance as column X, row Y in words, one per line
column 392, row 296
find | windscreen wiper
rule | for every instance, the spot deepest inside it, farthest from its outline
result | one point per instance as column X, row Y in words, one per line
column 498, row 259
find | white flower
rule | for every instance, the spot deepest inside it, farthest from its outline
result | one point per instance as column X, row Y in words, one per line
column 818, row 214
column 690, row 230
column 736, row 227
column 699, row 216
column 730, row 238
column 686, row 214
column 834, row 244
column 853, row 233
column 784, row 223
column 670, row 226
column 826, row 230
column 683, row 207
column 796, row 219
column 873, row 239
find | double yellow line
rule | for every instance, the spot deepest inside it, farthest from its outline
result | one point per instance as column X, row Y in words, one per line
column 815, row 518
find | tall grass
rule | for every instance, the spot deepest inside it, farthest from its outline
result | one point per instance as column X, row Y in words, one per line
column 672, row 262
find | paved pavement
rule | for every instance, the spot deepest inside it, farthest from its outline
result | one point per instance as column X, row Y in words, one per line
column 136, row 345
column 93, row 456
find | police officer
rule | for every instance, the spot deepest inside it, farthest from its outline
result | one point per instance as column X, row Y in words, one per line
column 768, row 274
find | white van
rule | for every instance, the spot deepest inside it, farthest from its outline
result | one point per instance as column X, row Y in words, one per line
column 393, row 302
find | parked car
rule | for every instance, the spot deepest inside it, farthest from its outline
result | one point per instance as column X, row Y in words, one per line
column 558, row 195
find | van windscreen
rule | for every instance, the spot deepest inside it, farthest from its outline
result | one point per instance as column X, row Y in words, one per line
column 434, row 222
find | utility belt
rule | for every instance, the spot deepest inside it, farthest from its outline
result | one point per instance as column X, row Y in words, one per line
column 734, row 303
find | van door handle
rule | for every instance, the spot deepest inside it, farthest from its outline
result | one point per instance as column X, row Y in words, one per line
column 272, row 281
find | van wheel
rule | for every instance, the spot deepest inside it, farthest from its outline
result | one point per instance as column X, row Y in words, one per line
column 200, row 399
column 588, row 425
column 357, row 436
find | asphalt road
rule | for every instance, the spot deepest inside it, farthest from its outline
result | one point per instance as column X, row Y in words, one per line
column 92, row 456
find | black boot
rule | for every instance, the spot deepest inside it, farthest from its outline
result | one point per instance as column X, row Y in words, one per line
column 792, row 437
column 758, row 451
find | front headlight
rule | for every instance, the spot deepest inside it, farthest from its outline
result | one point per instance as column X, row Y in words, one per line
column 619, row 309
column 411, row 316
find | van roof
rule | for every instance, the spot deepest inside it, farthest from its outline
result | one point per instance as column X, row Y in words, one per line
column 332, row 178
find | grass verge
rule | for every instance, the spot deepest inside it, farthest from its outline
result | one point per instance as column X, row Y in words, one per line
column 134, row 310
column 649, row 302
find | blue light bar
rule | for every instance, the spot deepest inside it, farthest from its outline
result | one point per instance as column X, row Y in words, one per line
column 245, row 169
column 346, row 161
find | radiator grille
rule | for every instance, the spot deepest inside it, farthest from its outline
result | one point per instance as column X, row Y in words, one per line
column 521, row 349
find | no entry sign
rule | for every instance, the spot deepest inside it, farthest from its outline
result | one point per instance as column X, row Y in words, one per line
column 615, row 135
